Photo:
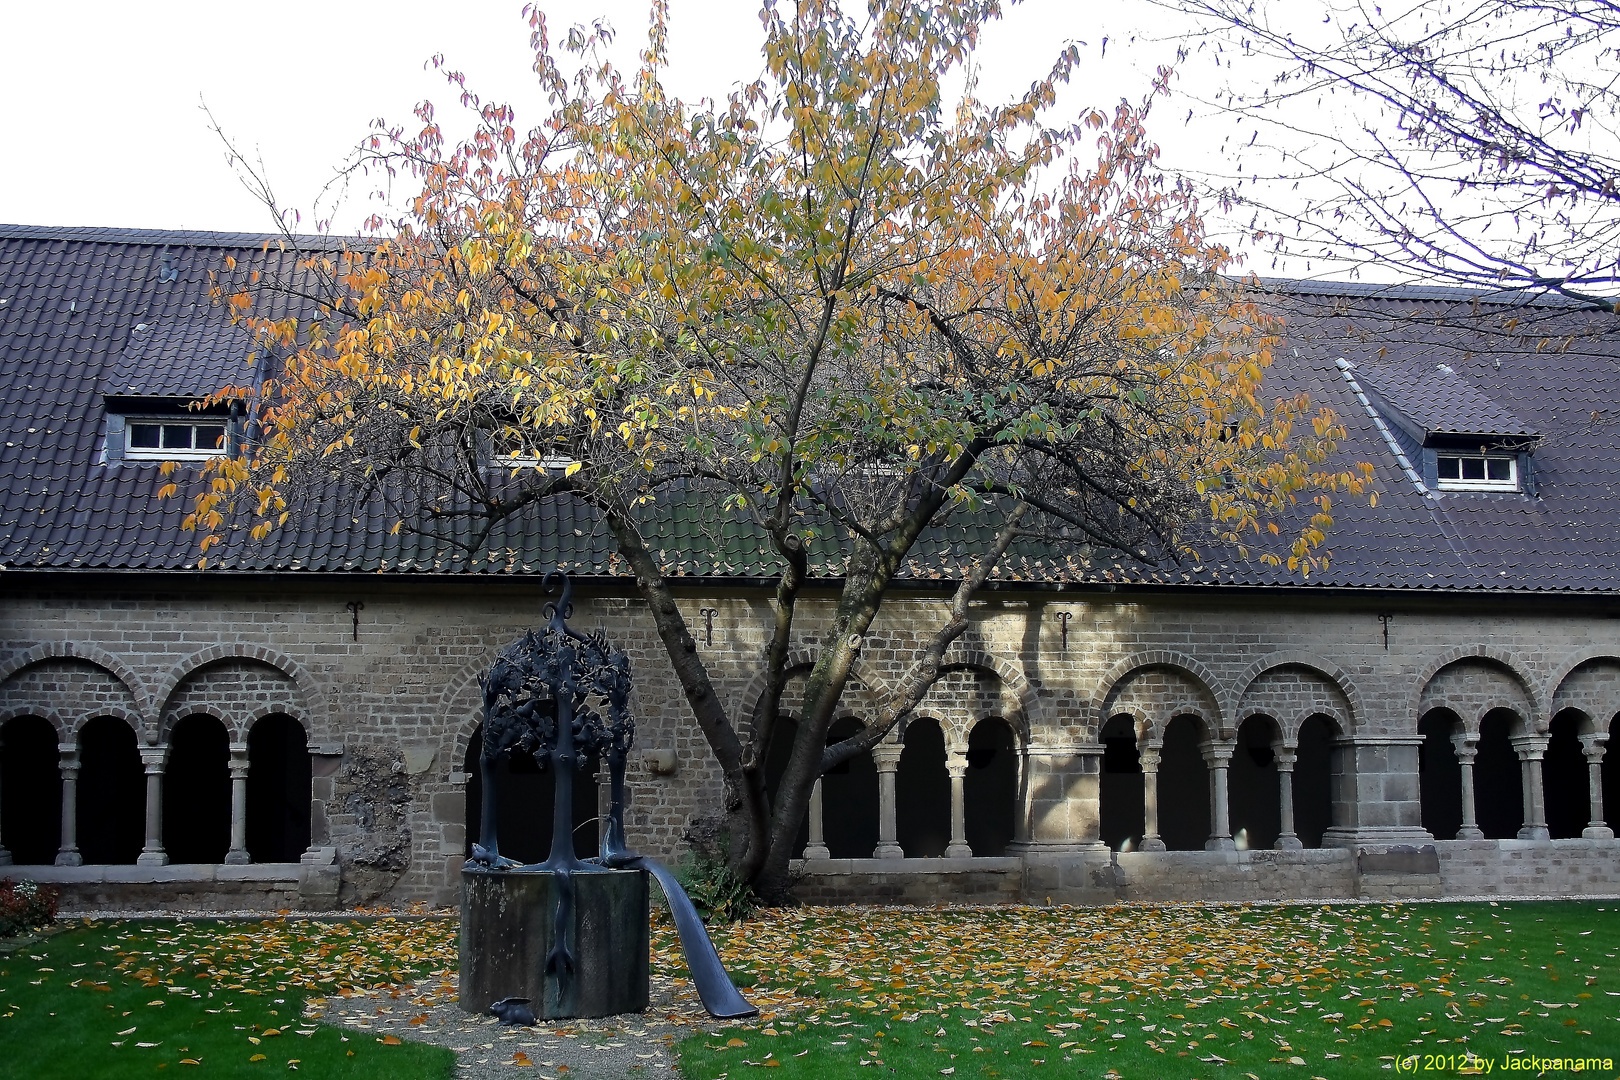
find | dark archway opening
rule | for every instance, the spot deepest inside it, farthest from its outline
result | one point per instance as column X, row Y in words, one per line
column 1498, row 778
column 111, row 811
column 278, row 790
column 197, row 792
column 849, row 800
column 1564, row 780
column 1314, row 780
column 922, row 792
column 1183, row 787
column 1121, row 813
column 1440, row 774
column 990, row 788
column 1252, row 785
column 783, row 733
column 30, row 791
column 523, row 812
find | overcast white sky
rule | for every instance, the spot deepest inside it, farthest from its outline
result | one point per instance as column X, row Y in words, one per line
column 103, row 124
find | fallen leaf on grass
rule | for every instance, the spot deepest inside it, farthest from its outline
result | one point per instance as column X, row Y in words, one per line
column 389, row 1040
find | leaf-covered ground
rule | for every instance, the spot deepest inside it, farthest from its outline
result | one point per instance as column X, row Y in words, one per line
column 1173, row 991
column 213, row 998
column 1167, row 991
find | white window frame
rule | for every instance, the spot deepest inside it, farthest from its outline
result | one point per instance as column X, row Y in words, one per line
column 547, row 462
column 1510, row 484
column 174, row 453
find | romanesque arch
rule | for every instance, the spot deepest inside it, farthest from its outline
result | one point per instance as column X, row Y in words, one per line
column 133, row 685
column 1473, row 681
column 70, row 689
column 305, row 693
column 1289, row 687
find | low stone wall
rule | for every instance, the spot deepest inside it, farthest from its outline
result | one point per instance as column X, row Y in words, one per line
column 1316, row 874
column 1529, row 867
column 910, row 881
column 310, row 885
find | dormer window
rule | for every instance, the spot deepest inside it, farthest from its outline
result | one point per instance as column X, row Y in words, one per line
column 1477, row 472
column 169, row 439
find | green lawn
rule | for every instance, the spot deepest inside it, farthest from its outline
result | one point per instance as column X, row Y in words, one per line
column 210, row 999
column 1172, row 991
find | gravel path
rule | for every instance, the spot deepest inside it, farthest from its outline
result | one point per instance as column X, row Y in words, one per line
column 611, row 1048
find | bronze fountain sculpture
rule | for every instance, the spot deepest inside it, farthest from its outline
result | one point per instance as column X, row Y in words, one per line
column 562, row 697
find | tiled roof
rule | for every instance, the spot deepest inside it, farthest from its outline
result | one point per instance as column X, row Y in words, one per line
column 1440, row 401
column 187, row 357
column 71, row 302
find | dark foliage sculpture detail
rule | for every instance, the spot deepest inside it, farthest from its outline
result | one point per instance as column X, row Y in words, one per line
column 562, row 697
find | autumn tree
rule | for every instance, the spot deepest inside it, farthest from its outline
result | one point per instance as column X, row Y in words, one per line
column 1471, row 142
column 837, row 310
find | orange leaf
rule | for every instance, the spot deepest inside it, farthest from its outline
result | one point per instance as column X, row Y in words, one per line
column 389, row 1040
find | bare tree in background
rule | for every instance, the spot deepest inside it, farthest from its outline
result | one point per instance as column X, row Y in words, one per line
column 1480, row 146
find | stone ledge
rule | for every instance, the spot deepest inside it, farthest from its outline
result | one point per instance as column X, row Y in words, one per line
column 175, row 873
column 827, row 867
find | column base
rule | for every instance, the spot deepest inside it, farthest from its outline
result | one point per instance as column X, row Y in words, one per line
column 1152, row 843
column 1597, row 832
column 888, row 851
column 69, row 858
column 1534, row 832
column 237, row 858
column 154, row 858
column 1352, row 836
column 1220, row 843
column 1024, row 849
column 1288, row 842
column 958, row 851
column 1467, row 833
column 5, row 857
column 817, row 851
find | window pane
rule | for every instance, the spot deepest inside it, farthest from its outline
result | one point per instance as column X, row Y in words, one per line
column 1473, row 468
column 210, row 437
column 1450, row 468
column 177, row 436
column 1499, row 468
column 143, row 436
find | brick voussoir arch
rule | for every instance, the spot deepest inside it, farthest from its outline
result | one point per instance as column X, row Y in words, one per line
column 1325, row 668
column 1564, row 670
column 112, row 712
column 960, row 656
column 75, row 650
column 876, row 688
column 314, row 698
column 64, row 727
column 1498, row 657
column 166, row 731
column 1134, row 662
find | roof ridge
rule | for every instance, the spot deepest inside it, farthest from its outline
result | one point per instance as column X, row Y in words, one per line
column 1373, row 290
column 182, row 237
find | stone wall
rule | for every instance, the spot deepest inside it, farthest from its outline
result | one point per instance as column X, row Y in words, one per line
column 389, row 714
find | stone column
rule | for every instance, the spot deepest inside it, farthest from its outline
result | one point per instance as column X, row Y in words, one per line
column 1150, row 799
column 887, row 760
column 958, row 848
column 1218, row 758
column 1592, row 746
column 239, row 774
column 5, row 856
column 816, row 846
column 1286, row 838
column 152, row 853
column 68, row 854
column 1467, row 747
column 1531, row 750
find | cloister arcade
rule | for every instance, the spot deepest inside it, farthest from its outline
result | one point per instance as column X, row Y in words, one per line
column 222, row 775
column 91, row 772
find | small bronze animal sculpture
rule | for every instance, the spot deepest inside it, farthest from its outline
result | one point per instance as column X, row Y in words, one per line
column 513, row 1011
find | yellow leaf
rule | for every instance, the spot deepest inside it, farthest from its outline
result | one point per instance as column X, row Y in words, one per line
column 256, row 1057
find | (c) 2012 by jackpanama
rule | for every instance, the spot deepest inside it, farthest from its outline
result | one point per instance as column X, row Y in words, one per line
column 1469, row 1063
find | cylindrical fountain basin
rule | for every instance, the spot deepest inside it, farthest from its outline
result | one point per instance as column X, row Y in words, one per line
column 508, row 927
